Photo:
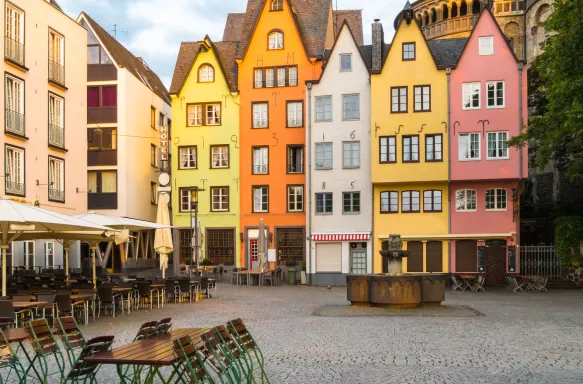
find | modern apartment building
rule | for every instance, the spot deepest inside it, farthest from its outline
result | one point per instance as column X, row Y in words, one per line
column 43, row 152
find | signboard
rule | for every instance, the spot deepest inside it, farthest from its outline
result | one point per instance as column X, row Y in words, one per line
column 481, row 258
column 512, row 258
column 164, row 143
column 271, row 256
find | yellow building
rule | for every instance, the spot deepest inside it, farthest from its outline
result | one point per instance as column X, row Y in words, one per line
column 205, row 139
column 409, row 144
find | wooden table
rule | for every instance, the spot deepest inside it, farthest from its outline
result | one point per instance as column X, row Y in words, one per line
column 18, row 335
column 249, row 273
column 161, row 288
column 152, row 353
column 27, row 304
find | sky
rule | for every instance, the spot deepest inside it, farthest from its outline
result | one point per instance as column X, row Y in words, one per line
column 154, row 29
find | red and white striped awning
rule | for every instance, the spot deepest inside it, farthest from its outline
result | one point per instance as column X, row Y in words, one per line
column 340, row 236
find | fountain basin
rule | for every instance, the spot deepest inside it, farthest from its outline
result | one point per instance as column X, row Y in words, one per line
column 432, row 290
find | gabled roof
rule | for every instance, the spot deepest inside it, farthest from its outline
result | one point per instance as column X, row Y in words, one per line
column 226, row 52
column 233, row 27
column 446, row 52
column 329, row 52
column 125, row 59
column 186, row 58
column 354, row 19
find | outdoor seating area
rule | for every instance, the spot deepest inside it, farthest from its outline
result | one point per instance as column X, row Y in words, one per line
column 245, row 276
column 468, row 281
column 522, row 283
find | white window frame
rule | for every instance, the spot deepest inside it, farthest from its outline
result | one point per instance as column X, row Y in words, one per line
column 485, row 45
column 220, row 153
column 270, row 77
column 499, row 142
column 261, row 115
column 468, row 91
column 258, row 78
column 343, row 56
column 26, row 254
column 15, row 167
column 275, row 40
column 56, row 40
column 219, row 193
column 261, row 199
column 292, row 75
column 351, row 104
column 188, row 155
column 389, row 201
column 291, row 159
column 325, row 197
column 323, row 108
column 295, row 114
column 260, row 161
column 295, row 198
column 56, row 110
column 14, row 28
column 48, row 245
column 468, row 146
column 497, row 193
column 324, row 155
column 352, row 210
column 213, row 114
column 496, row 84
column 195, row 115
column 466, row 193
column 281, row 73
column 57, row 176
column 14, row 102
column 351, row 161
column 206, row 74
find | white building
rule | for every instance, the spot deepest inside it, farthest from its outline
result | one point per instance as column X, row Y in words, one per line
column 339, row 184
column 45, row 112
column 128, row 108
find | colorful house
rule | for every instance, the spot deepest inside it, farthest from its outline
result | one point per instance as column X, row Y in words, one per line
column 338, row 141
column 205, row 103
column 409, row 146
column 488, row 106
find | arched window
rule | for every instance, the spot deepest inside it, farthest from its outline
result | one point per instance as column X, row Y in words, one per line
column 433, row 16
column 426, row 18
column 476, row 8
column 277, row 5
column 206, row 74
column 276, row 40
column 445, row 12
column 454, row 10
column 463, row 9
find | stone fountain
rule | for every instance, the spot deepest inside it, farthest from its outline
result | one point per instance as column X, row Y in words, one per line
column 393, row 288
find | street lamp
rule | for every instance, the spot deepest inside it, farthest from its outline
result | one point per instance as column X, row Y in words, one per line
column 193, row 200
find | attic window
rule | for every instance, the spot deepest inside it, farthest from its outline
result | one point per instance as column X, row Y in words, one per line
column 206, row 74
column 276, row 5
column 486, row 46
column 408, row 51
column 275, row 40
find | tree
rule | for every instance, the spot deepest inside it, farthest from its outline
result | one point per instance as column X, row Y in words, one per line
column 557, row 124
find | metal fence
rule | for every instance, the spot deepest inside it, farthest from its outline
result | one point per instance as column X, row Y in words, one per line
column 540, row 260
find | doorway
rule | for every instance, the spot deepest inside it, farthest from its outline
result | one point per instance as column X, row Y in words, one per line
column 358, row 257
column 495, row 263
column 253, row 254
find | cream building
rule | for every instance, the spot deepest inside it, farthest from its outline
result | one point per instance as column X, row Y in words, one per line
column 45, row 112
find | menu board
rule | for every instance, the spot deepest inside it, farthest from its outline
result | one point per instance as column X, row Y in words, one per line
column 481, row 258
column 512, row 258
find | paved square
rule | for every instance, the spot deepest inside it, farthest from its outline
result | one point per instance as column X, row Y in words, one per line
column 523, row 338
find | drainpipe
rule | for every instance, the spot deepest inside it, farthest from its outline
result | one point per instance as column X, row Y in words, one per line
column 309, row 182
column 520, row 124
column 448, row 75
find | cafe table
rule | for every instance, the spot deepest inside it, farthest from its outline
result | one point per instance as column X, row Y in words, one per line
column 18, row 336
column 85, row 298
column 160, row 288
column 153, row 354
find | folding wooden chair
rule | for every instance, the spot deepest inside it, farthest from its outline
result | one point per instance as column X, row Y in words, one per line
column 163, row 327
column 249, row 346
column 458, row 285
column 83, row 371
column 192, row 361
column 10, row 360
column 232, row 350
column 71, row 336
column 45, row 346
column 224, row 366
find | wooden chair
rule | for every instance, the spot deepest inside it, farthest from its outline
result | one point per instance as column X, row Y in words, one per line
column 225, row 367
column 71, row 336
column 10, row 360
column 83, row 371
column 248, row 345
column 192, row 360
column 163, row 327
column 45, row 346
column 458, row 284
column 479, row 284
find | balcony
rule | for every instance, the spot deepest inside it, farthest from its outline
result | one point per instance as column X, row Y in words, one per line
column 102, row 201
column 295, row 122
column 14, row 122
column 56, row 72
column 100, row 158
column 14, row 50
column 102, row 115
column 56, row 136
column 56, row 195
column 450, row 26
column 101, row 72
column 14, row 188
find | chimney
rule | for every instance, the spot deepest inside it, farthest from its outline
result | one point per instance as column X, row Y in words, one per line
column 378, row 40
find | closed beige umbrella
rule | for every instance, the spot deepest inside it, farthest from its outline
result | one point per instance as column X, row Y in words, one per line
column 163, row 237
column 262, row 246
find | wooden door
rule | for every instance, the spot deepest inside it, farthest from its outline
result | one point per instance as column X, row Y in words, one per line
column 415, row 258
column 466, row 256
column 434, row 256
column 495, row 265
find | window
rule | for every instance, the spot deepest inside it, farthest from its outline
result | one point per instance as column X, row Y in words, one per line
column 153, row 155
column 96, row 55
column 101, row 139
column 213, row 114
column 14, row 174
column 14, row 42
column 324, row 156
column 495, row 94
column 260, row 160
column 101, row 182
column 351, row 154
column 469, row 146
column 408, row 51
column 187, row 202
column 293, row 76
column 295, row 159
column 29, row 256
column 497, row 145
column 486, row 45
column 281, row 77
column 56, row 57
column 270, row 77
column 351, row 202
column 410, row 149
column 275, row 77
column 153, row 117
column 14, row 105
column 346, row 62
column 258, row 83
column 188, row 158
column 185, row 245
column 290, row 244
column 260, row 115
column 206, row 74
column 194, row 115
column 220, row 245
column 295, row 114
column 389, row 202
column 432, row 201
column 351, row 107
column 161, row 120
column 260, row 199
column 471, row 96
column 153, row 193
column 398, row 99
column 50, row 254
column 410, row 201
column 295, row 198
column 102, row 97
column 422, row 98
column 277, row 5
column 433, row 148
column 276, row 40
column 388, row 149
column 220, row 199
column 496, row 199
column 219, row 156
column 465, row 200
column 56, row 179
column 323, row 108
column 323, row 203
column 56, row 120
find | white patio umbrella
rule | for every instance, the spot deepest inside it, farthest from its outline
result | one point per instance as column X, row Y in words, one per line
column 262, row 246
column 163, row 237
column 17, row 219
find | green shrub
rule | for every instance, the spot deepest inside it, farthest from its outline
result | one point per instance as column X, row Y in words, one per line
column 568, row 237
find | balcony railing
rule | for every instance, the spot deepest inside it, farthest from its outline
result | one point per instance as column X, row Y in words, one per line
column 14, row 50
column 447, row 27
column 295, row 122
column 55, row 194
column 56, row 136
column 15, row 122
column 259, row 123
column 56, row 72
column 14, row 188
column 260, row 169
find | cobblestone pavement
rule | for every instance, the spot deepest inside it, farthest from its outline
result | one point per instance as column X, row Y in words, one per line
column 523, row 338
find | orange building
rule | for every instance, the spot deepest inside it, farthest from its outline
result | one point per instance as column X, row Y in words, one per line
column 281, row 45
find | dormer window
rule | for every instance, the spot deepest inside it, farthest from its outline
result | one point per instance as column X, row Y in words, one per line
column 206, row 74
column 277, row 5
column 276, row 40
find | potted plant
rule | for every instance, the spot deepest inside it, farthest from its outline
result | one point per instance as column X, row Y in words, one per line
column 303, row 273
column 206, row 262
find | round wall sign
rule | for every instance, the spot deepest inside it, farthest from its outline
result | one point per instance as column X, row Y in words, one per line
column 164, row 179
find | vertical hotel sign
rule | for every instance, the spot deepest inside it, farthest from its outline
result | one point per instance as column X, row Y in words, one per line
column 164, row 143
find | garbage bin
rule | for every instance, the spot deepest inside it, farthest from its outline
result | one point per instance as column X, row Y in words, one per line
column 291, row 275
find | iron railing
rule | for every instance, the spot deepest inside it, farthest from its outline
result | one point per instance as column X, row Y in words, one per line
column 56, row 72
column 14, row 122
column 14, row 187
column 55, row 194
column 259, row 169
column 453, row 25
column 542, row 259
column 295, row 122
column 56, row 136
column 259, row 123
column 14, row 50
